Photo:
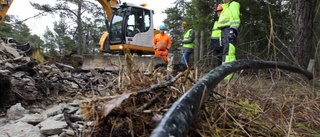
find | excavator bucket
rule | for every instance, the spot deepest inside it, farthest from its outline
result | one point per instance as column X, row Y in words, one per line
column 31, row 52
column 25, row 48
column 114, row 62
column 37, row 54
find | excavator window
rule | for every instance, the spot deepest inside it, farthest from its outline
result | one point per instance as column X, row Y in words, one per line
column 147, row 20
column 134, row 25
column 127, row 21
column 116, row 27
column 131, row 26
column 139, row 21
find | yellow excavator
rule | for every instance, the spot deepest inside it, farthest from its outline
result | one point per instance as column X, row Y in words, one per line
column 130, row 28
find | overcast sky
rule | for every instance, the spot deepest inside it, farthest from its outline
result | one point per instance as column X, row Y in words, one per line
column 23, row 10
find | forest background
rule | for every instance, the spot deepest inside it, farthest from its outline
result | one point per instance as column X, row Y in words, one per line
column 278, row 30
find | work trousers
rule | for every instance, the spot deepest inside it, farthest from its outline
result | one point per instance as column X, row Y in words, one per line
column 216, row 47
column 185, row 59
column 228, row 48
column 162, row 53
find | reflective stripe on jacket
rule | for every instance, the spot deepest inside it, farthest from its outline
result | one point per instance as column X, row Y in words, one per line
column 186, row 37
column 216, row 33
column 230, row 15
column 161, row 41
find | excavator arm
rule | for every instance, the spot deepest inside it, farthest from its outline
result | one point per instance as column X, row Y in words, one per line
column 106, row 5
column 4, row 7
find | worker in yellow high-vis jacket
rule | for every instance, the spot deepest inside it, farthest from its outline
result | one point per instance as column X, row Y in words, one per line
column 215, row 44
column 188, row 44
column 229, row 22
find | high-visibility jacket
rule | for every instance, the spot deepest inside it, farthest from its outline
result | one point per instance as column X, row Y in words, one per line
column 161, row 41
column 186, row 36
column 230, row 15
column 216, row 33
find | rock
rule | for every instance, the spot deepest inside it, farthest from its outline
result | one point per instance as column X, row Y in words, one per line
column 68, row 132
column 32, row 119
column 2, row 45
column 72, row 109
column 19, row 74
column 89, row 74
column 28, row 81
column 52, row 127
column 12, row 51
column 3, row 121
column 74, row 103
column 5, row 72
column 54, row 136
column 24, row 90
column 9, row 65
column 54, row 79
column 19, row 129
column 74, row 85
column 16, row 111
column 58, row 117
column 54, row 110
column 26, row 59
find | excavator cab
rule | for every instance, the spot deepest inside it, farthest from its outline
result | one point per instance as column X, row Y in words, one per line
column 131, row 28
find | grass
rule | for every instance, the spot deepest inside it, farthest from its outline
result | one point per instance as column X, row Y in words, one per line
column 252, row 104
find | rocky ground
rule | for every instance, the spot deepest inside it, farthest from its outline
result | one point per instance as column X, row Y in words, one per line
column 51, row 99
column 33, row 95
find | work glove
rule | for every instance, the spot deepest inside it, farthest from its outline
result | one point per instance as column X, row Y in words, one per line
column 232, row 34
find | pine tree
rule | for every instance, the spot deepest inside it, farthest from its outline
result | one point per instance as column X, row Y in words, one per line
column 78, row 15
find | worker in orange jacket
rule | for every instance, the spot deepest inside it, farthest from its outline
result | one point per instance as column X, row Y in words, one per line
column 161, row 44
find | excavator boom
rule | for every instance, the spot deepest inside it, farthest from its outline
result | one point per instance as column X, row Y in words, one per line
column 4, row 7
column 106, row 5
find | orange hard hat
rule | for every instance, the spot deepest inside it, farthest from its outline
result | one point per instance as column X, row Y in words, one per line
column 219, row 8
column 184, row 24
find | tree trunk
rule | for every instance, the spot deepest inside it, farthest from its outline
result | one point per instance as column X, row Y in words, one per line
column 197, row 48
column 80, row 29
column 202, row 44
column 303, row 50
